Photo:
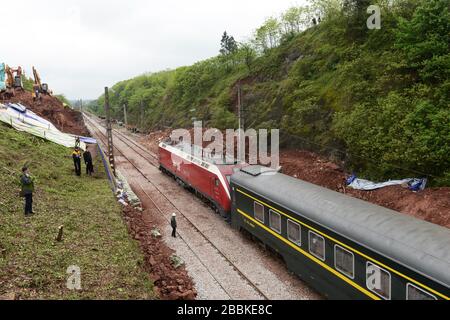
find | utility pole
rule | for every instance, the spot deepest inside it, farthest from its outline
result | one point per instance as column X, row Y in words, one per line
column 81, row 105
column 109, row 133
column 142, row 116
column 125, row 115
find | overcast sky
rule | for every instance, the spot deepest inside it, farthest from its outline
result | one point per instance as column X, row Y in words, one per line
column 81, row 46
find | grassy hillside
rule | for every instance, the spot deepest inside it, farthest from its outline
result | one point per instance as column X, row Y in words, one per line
column 376, row 99
column 32, row 264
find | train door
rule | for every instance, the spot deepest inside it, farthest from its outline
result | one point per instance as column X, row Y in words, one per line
column 215, row 189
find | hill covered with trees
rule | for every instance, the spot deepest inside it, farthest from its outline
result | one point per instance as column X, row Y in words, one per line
column 376, row 99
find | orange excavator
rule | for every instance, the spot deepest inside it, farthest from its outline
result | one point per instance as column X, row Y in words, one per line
column 12, row 80
column 9, row 77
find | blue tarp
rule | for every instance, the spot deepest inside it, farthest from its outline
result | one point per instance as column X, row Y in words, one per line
column 88, row 140
column 18, row 107
column 413, row 184
column 2, row 76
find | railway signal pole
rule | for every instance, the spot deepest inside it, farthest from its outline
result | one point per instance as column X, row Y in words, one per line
column 109, row 133
column 125, row 120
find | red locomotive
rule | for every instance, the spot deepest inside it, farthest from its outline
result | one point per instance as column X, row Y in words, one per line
column 195, row 169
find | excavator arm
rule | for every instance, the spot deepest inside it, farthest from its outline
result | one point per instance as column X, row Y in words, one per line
column 43, row 87
column 37, row 79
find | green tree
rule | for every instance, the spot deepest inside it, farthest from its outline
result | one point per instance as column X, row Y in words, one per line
column 268, row 35
column 228, row 45
column 228, row 50
column 293, row 19
column 425, row 40
column 247, row 54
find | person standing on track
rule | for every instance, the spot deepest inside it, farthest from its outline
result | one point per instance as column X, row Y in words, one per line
column 88, row 161
column 173, row 223
column 27, row 184
column 76, row 155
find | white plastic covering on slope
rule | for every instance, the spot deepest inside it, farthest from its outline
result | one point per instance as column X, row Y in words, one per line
column 22, row 119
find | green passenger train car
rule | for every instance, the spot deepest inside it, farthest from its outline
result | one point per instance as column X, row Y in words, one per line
column 344, row 247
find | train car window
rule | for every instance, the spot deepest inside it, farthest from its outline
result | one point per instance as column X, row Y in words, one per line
column 259, row 211
column 317, row 245
column 294, row 232
column 344, row 261
column 378, row 280
column 275, row 221
column 415, row 293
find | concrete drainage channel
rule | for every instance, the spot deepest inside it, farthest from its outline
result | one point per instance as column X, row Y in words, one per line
column 222, row 262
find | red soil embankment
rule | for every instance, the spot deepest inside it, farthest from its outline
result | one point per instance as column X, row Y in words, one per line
column 51, row 109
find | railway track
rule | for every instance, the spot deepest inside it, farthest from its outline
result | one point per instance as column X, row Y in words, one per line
column 153, row 160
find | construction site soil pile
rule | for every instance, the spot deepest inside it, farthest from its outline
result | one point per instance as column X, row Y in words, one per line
column 171, row 282
column 431, row 205
column 51, row 109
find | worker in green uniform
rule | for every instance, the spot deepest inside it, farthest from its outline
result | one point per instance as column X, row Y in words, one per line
column 27, row 184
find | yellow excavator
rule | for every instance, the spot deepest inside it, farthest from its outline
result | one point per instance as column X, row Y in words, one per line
column 39, row 87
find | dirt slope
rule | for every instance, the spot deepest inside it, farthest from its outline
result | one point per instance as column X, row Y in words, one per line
column 51, row 109
column 432, row 205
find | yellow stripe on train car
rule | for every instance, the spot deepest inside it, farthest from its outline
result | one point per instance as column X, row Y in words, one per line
column 345, row 246
column 325, row 266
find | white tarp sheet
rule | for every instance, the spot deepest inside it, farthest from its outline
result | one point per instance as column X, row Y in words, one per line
column 413, row 184
column 29, row 122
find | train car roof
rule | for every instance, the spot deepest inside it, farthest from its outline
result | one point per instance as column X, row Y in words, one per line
column 417, row 244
